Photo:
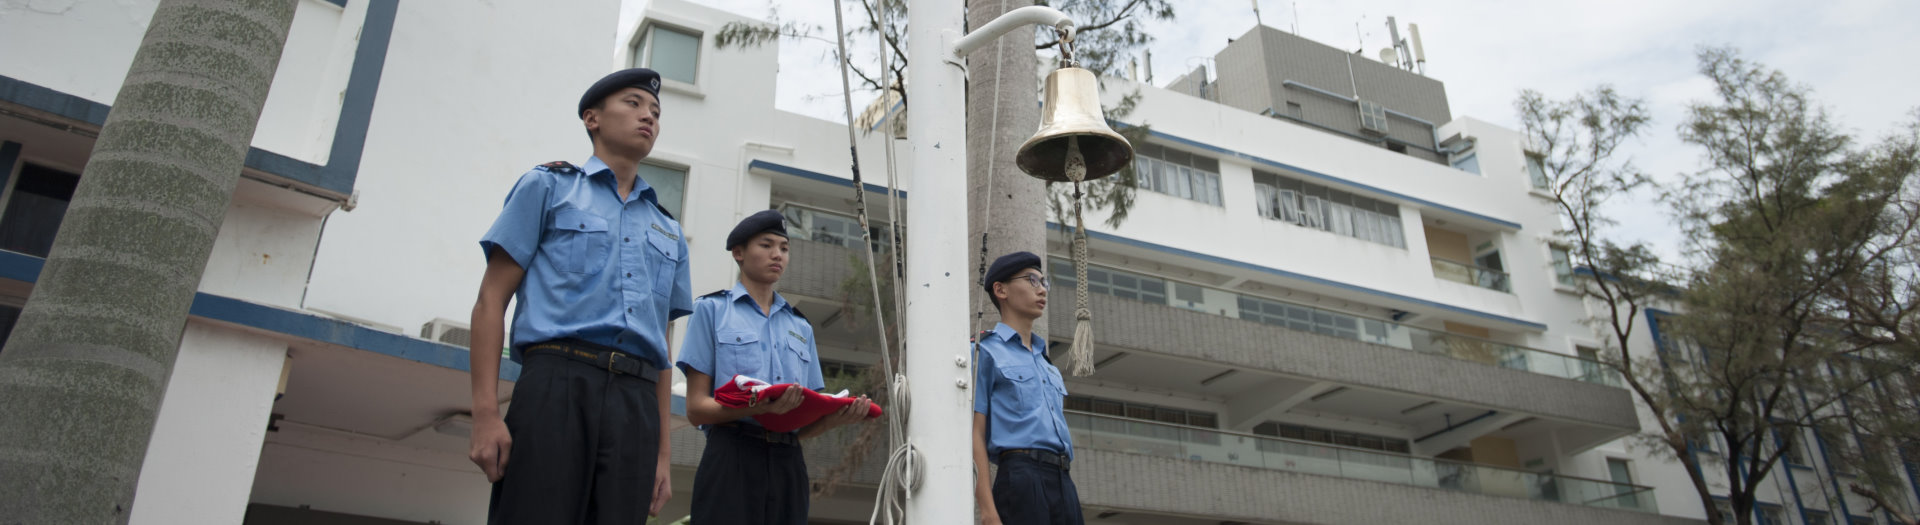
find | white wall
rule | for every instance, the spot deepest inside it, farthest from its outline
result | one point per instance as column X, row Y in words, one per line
column 471, row 98
column 206, row 442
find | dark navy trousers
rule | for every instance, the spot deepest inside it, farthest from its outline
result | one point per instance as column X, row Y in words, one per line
column 585, row 445
column 743, row 478
column 1027, row 491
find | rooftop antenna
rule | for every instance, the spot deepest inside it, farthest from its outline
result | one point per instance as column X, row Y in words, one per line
column 1256, row 13
column 1149, row 67
column 1296, row 18
column 1398, row 46
column 1419, row 53
column 1357, row 35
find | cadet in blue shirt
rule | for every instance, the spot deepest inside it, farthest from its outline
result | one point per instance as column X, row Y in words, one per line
column 1018, row 416
column 748, row 474
column 598, row 269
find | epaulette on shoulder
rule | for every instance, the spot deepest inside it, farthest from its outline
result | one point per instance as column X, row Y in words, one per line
column 723, row 291
column 559, row 166
column 663, row 211
column 797, row 313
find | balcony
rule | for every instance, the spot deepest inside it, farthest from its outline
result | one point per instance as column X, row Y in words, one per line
column 1244, row 476
column 1386, row 371
column 1468, row 274
column 1305, row 318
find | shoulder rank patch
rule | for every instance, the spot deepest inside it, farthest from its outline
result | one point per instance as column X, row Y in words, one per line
column 560, row 166
column 796, row 335
column 796, row 312
column 723, row 291
column 663, row 211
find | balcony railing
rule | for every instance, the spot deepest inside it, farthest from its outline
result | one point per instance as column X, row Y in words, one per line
column 1102, row 432
column 1228, row 303
column 1480, row 276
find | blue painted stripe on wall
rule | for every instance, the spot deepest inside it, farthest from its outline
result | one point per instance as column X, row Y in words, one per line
column 1325, row 178
column 26, row 268
column 356, row 105
column 1302, row 277
column 814, row 175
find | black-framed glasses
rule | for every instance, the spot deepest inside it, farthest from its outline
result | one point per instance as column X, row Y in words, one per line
column 1034, row 278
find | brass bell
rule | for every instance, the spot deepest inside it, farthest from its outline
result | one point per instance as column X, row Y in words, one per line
column 1072, row 110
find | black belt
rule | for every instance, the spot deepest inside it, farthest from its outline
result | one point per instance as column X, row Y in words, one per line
column 760, row 433
column 1043, row 456
column 600, row 356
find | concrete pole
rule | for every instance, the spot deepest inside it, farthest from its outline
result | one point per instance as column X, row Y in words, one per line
column 940, row 424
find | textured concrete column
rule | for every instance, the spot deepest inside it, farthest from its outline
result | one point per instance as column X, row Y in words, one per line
column 1001, row 91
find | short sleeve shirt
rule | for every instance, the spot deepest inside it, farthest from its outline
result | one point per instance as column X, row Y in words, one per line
column 1021, row 394
column 598, row 268
column 729, row 336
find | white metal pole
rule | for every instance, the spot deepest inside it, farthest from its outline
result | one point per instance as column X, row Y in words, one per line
column 940, row 425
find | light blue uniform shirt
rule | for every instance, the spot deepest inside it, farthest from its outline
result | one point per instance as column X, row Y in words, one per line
column 598, row 269
column 729, row 336
column 1021, row 394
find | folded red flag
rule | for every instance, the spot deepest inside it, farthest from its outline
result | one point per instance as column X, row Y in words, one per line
column 743, row 392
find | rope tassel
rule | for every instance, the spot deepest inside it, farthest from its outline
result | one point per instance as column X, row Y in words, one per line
column 1082, row 314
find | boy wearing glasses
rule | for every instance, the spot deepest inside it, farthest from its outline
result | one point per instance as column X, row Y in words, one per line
column 1019, row 421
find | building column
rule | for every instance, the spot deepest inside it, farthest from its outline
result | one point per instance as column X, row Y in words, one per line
column 213, row 419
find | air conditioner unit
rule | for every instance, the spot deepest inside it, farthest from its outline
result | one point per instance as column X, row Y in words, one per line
column 1373, row 117
column 447, row 331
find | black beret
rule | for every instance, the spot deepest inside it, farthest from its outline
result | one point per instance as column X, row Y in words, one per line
column 763, row 222
column 1007, row 266
column 638, row 77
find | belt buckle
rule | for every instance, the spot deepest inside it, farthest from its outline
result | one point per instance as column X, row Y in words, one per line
column 612, row 357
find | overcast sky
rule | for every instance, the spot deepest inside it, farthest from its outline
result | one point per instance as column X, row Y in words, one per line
column 1848, row 51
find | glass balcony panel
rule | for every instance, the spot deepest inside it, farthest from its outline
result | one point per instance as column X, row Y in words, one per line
column 1332, row 323
column 1101, row 432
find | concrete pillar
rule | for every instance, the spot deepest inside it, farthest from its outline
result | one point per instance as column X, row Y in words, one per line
column 213, row 419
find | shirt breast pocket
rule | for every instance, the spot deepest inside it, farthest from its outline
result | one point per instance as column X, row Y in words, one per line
column 1018, row 387
column 580, row 241
column 738, row 352
column 665, row 261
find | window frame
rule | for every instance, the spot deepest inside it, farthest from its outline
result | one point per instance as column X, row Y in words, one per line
column 643, row 47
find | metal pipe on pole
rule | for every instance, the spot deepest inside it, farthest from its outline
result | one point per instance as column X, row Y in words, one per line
column 940, row 427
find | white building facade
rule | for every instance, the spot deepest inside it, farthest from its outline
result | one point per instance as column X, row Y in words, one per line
column 1296, row 326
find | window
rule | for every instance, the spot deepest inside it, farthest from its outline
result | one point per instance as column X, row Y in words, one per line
column 831, row 228
column 1817, row 517
column 33, row 214
column 1771, row 515
column 674, row 53
column 1860, row 520
column 669, row 185
column 1537, row 172
column 1562, row 265
column 1177, row 173
column 1117, row 283
column 9, row 315
column 1621, row 472
column 1796, row 450
column 1322, row 208
column 1308, row 319
column 1724, row 508
column 1469, row 163
column 1173, row 418
column 1331, row 437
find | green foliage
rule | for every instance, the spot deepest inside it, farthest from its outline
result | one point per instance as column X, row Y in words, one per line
column 1788, row 321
